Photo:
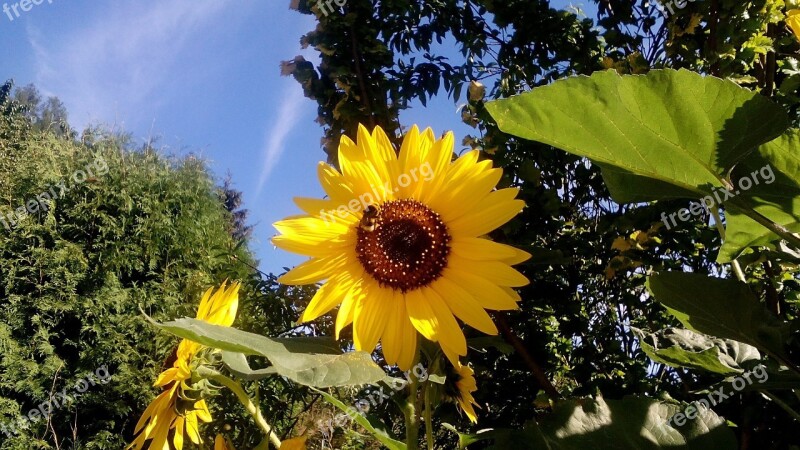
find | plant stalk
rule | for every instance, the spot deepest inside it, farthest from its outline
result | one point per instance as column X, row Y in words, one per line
column 428, row 413
column 245, row 400
column 737, row 269
column 410, row 412
column 782, row 404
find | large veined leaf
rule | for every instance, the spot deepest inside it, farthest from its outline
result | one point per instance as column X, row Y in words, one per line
column 719, row 307
column 311, row 362
column 631, row 423
column 667, row 134
column 684, row 348
column 676, row 127
column 773, row 176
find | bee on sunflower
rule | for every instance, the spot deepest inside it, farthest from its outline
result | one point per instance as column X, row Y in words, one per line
column 176, row 412
column 415, row 256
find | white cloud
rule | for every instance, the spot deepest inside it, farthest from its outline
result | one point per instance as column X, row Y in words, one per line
column 275, row 137
column 121, row 58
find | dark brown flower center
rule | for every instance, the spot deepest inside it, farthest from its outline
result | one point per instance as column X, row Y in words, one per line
column 403, row 244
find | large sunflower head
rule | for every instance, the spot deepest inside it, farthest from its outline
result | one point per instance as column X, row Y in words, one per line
column 401, row 242
column 175, row 412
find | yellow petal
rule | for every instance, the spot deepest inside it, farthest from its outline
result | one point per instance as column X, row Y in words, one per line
column 317, row 243
column 201, row 409
column 160, row 436
column 337, row 186
column 220, row 444
column 221, row 308
column 437, row 161
column 451, row 337
column 370, row 316
column 345, row 315
column 392, row 340
column 178, row 439
column 374, row 153
column 311, row 228
column 467, row 182
column 520, row 256
column 324, row 209
column 166, row 377
column 157, row 406
column 314, row 270
column 297, row 443
column 467, row 407
column 408, row 349
column 496, row 272
column 412, row 156
column 327, row 297
column 191, row 428
column 493, row 211
column 464, row 305
column 793, row 21
column 481, row 249
column 386, row 152
column 434, row 320
column 488, row 294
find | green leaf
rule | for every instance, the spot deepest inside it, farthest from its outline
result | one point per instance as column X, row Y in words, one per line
column 719, row 307
column 669, row 134
column 626, row 187
column 307, row 361
column 376, row 429
column 238, row 365
column 684, row 348
column 630, row 423
column 774, row 172
column 678, row 128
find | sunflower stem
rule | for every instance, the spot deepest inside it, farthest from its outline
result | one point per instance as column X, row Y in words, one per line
column 737, row 269
column 410, row 412
column 246, row 401
column 428, row 413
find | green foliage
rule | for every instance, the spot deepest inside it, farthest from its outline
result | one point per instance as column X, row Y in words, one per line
column 685, row 348
column 150, row 232
column 631, row 423
column 307, row 361
column 587, row 294
column 685, row 143
column 380, row 434
column 729, row 310
column 707, row 146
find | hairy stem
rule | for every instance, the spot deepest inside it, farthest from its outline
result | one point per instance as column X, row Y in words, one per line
column 245, row 400
column 428, row 413
column 410, row 412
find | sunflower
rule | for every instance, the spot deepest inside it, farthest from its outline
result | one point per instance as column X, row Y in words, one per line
column 793, row 21
column 401, row 243
column 458, row 387
column 180, row 405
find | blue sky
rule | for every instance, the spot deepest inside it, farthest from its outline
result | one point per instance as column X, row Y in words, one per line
column 201, row 76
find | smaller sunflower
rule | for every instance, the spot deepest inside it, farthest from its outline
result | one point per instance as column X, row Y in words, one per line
column 793, row 21
column 175, row 412
column 459, row 386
